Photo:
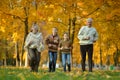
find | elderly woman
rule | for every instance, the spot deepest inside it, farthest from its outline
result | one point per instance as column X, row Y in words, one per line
column 34, row 46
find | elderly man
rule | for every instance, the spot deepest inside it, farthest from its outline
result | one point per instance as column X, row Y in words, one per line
column 87, row 36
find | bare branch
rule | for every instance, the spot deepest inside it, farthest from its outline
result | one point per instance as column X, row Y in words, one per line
column 60, row 23
column 16, row 16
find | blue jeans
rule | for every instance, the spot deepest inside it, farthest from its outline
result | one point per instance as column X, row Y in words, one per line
column 66, row 59
column 52, row 61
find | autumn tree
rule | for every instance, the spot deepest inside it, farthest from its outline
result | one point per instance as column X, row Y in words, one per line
column 17, row 17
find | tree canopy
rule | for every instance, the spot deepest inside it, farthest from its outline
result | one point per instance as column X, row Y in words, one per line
column 17, row 16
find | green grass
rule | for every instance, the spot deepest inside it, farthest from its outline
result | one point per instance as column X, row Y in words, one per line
column 13, row 73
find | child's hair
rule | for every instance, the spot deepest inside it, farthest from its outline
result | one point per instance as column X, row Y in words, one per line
column 67, row 34
column 55, row 28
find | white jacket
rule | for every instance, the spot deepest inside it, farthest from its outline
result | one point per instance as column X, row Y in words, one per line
column 86, row 31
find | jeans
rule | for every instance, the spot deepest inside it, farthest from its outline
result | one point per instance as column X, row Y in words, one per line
column 89, row 49
column 34, row 59
column 52, row 61
column 66, row 60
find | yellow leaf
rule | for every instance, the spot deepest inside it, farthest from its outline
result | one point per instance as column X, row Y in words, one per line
column 50, row 18
column 2, row 29
column 51, row 6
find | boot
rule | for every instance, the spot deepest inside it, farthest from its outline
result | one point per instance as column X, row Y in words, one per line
column 36, row 68
column 50, row 67
column 69, row 67
column 64, row 68
column 53, row 69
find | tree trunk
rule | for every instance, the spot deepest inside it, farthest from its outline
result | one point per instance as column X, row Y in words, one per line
column 100, row 52
column 116, row 56
column 26, row 59
column 72, row 35
column 17, row 54
column 100, row 57
column 25, row 35
column 5, row 49
column 69, row 26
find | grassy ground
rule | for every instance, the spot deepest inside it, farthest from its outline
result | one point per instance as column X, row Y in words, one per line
column 12, row 73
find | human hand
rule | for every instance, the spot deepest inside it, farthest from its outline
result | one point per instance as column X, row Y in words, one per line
column 55, row 41
column 25, row 47
column 61, row 48
column 86, row 38
column 66, row 47
column 54, row 45
column 30, row 42
column 49, row 45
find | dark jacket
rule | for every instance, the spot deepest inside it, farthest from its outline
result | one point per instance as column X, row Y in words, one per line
column 53, row 41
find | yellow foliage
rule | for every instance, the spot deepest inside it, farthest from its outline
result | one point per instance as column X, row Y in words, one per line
column 34, row 14
column 15, row 36
column 51, row 6
column 14, row 56
column 50, row 18
column 2, row 29
column 57, row 13
column 84, row 13
column 80, row 4
column 3, row 20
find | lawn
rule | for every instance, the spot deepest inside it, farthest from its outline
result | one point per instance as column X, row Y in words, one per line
column 13, row 73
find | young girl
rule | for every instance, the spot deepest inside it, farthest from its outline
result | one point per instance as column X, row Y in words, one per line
column 65, row 47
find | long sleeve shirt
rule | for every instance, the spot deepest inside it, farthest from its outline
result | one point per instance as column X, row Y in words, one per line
column 66, row 46
column 85, row 32
column 52, row 42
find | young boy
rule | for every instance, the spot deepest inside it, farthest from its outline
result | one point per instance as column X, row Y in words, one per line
column 52, row 41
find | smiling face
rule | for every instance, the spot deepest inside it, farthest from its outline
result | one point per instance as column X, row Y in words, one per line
column 34, row 29
column 89, row 22
column 66, row 37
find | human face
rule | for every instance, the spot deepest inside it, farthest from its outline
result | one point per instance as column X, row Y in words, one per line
column 34, row 30
column 54, row 31
column 89, row 23
column 66, row 37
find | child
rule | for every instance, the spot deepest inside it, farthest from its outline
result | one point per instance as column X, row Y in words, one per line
column 65, row 47
column 52, row 42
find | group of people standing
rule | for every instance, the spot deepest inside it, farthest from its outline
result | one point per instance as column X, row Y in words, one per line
column 34, row 46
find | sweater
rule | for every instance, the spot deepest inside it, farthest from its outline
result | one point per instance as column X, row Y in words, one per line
column 53, row 41
column 66, row 46
column 34, row 41
column 90, row 32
